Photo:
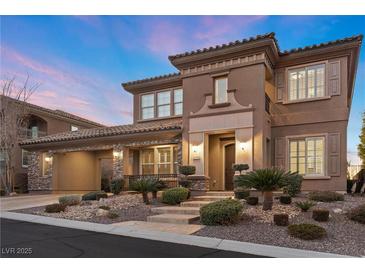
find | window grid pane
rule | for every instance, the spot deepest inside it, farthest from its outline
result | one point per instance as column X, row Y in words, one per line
column 221, row 90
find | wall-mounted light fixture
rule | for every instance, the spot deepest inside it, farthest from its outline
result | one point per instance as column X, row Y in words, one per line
column 195, row 149
column 48, row 159
column 118, row 154
column 195, row 152
column 243, row 146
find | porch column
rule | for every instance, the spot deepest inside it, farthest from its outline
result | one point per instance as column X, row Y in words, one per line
column 36, row 180
column 118, row 162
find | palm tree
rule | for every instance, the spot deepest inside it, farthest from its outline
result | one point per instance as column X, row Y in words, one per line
column 144, row 186
column 267, row 180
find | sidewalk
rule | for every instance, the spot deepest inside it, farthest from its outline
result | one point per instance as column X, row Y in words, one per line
column 215, row 243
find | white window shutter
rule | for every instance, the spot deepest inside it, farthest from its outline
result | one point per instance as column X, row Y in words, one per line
column 334, row 78
column 280, row 152
column 334, row 153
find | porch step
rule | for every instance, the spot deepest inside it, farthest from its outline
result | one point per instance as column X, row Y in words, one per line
column 210, row 198
column 173, row 218
column 219, row 193
column 194, row 203
column 176, row 210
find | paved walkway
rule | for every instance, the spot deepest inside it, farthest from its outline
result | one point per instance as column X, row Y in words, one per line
column 45, row 241
column 27, row 201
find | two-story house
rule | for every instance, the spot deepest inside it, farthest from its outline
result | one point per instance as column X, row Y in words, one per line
column 242, row 102
column 39, row 122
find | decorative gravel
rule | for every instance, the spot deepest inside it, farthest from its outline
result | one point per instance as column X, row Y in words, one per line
column 343, row 235
column 128, row 207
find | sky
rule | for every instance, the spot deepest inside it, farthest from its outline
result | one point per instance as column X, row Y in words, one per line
column 81, row 61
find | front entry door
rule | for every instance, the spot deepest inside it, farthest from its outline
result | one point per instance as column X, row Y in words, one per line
column 228, row 162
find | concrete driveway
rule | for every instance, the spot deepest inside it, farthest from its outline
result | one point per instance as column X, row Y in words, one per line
column 27, row 201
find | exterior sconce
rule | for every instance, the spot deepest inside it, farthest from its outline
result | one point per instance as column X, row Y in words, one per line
column 48, row 159
column 117, row 154
column 243, row 146
column 195, row 154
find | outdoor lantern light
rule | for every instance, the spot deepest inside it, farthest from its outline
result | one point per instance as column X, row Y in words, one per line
column 242, row 146
column 117, row 154
column 195, row 149
column 48, row 158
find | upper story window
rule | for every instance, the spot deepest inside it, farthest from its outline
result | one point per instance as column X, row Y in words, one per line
column 307, row 82
column 306, row 156
column 178, row 101
column 25, row 158
column 148, row 106
column 74, row 128
column 220, row 90
column 164, row 104
column 168, row 103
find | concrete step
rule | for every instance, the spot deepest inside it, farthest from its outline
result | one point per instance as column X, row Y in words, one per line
column 219, row 193
column 176, row 210
column 194, row 203
column 210, row 198
column 173, row 218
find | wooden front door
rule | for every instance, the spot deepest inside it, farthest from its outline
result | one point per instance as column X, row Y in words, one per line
column 228, row 162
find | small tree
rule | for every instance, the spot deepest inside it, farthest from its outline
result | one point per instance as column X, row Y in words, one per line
column 13, row 116
column 361, row 146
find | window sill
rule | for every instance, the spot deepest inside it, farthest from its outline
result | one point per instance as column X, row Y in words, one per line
column 316, row 177
column 158, row 118
column 220, row 105
column 306, row 100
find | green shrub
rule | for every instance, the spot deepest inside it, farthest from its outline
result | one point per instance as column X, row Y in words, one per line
column 54, row 208
column 175, row 195
column 358, row 214
column 187, row 170
column 320, row 214
column 240, row 193
column 104, row 207
column 112, row 214
column 105, row 184
column 222, row 212
column 326, row 196
column 144, row 186
column 240, row 167
column 294, row 185
column 305, row 205
column 306, row 231
column 281, row 219
column 94, row 195
column 185, row 183
column 252, row 200
column 285, row 199
column 70, row 200
column 116, row 186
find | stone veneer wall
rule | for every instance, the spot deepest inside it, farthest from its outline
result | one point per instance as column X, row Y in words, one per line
column 118, row 163
column 36, row 181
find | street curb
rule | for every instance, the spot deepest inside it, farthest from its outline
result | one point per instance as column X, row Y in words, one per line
column 207, row 242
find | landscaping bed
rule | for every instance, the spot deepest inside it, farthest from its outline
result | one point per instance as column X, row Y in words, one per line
column 125, row 207
column 344, row 236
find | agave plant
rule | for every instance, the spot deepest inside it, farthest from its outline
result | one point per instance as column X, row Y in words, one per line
column 144, row 186
column 266, row 180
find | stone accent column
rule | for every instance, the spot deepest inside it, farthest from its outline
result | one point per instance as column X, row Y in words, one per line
column 179, row 152
column 118, row 168
column 36, row 181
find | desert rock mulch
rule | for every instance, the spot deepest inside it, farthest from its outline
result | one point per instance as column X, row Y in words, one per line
column 128, row 207
column 343, row 235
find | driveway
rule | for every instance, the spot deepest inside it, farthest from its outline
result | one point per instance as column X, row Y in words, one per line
column 27, row 201
column 23, row 239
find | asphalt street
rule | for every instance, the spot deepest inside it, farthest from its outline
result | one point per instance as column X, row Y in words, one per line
column 24, row 239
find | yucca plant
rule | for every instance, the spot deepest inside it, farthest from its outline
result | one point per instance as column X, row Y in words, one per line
column 266, row 180
column 144, row 186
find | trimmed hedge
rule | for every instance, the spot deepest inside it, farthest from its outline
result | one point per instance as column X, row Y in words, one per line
column 94, row 195
column 306, row 231
column 70, row 200
column 326, row 196
column 187, row 170
column 358, row 214
column 320, row 215
column 281, row 219
column 174, row 196
column 222, row 212
column 285, row 199
column 55, row 208
column 252, row 200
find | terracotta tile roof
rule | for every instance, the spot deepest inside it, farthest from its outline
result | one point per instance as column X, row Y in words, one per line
column 107, row 131
column 322, row 45
column 270, row 35
column 160, row 77
column 58, row 113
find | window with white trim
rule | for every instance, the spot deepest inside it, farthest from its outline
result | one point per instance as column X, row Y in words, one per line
column 25, row 158
column 220, row 90
column 147, row 162
column 159, row 160
column 164, row 104
column 306, row 83
column 164, row 160
column 306, row 155
column 148, row 106
column 178, row 102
